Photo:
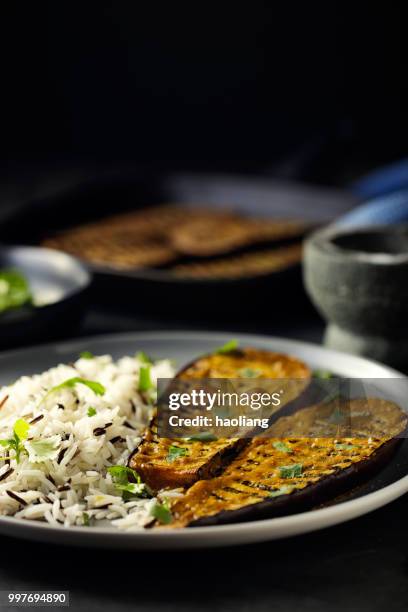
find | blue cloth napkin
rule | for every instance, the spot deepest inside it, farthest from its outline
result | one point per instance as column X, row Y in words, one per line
column 384, row 210
column 386, row 194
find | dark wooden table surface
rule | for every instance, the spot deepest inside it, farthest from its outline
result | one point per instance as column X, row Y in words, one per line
column 360, row 565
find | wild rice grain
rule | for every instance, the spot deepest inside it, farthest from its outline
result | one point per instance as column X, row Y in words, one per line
column 127, row 424
column 40, row 416
column 99, row 431
column 61, row 456
column 6, row 474
column 18, row 499
column 116, row 439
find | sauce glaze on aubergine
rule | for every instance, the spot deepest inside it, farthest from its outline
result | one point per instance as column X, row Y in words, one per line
column 265, row 479
column 203, row 459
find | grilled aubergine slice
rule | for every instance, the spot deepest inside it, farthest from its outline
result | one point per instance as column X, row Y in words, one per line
column 290, row 472
column 155, row 460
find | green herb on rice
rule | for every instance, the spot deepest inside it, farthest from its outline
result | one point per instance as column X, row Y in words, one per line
column 86, row 355
column 91, row 411
column 161, row 512
column 95, row 386
column 120, row 476
column 20, row 433
column 43, row 449
column 145, row 379
column 144, row 358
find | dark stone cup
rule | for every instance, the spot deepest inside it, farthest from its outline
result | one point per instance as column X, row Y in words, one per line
column 358, row 280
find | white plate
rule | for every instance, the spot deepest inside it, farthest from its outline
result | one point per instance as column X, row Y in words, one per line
column 184, row 346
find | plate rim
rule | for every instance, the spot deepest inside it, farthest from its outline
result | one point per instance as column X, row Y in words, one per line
column 230, row 534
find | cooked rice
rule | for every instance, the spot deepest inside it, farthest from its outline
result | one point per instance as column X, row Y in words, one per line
column 75, row 486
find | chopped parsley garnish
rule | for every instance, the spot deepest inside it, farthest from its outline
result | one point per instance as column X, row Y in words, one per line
column 249, row 373
column 228, row 347
column 145, row 380
column 143, row 357
column 202, row 436
column 96, row 387
column 291, row 471
column 161, row 513
column 120, row 476
column 85, row 519
column 91, row 411
column 284, row 490
column 346, row 446
column 324, row 374
column 20, row 433
column 14, row 290
column 175, row 452
column 86, row 355
column 282, row 447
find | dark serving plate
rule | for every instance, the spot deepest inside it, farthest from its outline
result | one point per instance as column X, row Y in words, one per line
column 59, row 284
column 158, row 289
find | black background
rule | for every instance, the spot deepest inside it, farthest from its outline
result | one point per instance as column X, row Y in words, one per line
column 308, row 90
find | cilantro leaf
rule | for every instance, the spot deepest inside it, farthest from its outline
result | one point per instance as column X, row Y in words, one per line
column 228, row 347
column 14, row 290
column 161, row 513
column 145, row 381
column 86, row 355
column 42, row 449
column 346, row 446
column 202, row 436
column 138, row 489
column 120, row 474
column 323, row 374
column 91, row 411
column 175, row 452
column 20, row 432
column 290, row 471
column 282, row 447
column 85, row 519
column 21, row 428
column 249, row 373
column 143, row 357
column 284, row 490
column 96, row 387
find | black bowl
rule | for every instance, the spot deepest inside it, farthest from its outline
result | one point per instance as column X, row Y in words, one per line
column 59, row 284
